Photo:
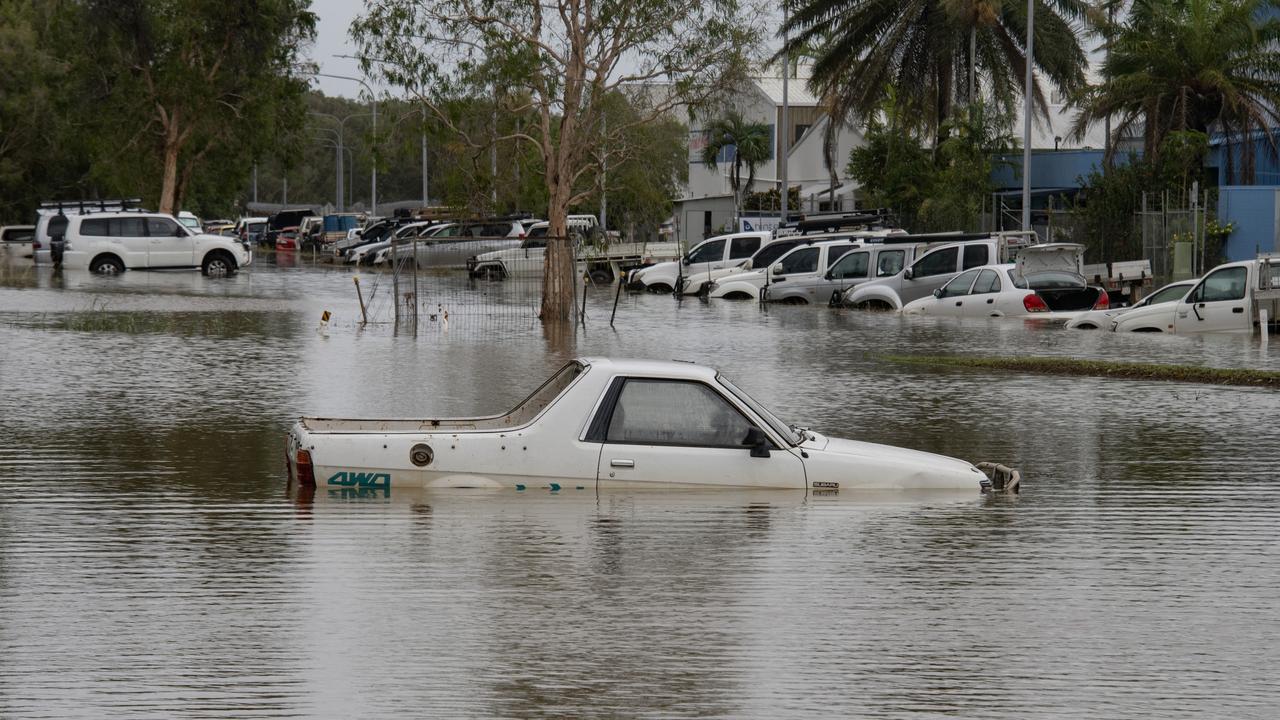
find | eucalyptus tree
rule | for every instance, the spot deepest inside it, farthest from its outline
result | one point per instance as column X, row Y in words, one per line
column 558, row 61
column 1191, row 66
column 934, row 54
column 751, row 143
column 179, row 81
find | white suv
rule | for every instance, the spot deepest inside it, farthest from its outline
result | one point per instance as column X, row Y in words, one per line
column 111, row 243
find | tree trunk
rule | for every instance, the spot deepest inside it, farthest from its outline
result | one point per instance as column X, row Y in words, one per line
column 169, row 186
column 558, row 268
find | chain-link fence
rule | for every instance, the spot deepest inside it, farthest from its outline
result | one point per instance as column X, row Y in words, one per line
column 487, row 283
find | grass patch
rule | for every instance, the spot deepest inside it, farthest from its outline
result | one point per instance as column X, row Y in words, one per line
column 1099, row 368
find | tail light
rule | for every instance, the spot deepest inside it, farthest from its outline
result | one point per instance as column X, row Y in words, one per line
column 1034, row 303
column 35, row 243
column 306, row 473
column 1104, row 302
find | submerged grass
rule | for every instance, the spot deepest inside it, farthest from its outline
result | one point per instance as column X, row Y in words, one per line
column 1099, row 368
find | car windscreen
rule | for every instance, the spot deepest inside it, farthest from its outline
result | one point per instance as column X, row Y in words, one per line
column 770, row 253
column 778, row 426
column 1052, row 280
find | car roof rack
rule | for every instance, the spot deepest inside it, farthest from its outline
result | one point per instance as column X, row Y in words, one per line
column 87, row 206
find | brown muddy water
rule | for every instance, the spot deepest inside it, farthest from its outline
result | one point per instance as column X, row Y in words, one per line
column 154, row 564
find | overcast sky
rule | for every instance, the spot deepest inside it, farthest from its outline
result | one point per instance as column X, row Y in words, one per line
column 332, row 38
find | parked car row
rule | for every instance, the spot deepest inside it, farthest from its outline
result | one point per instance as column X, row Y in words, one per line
column 1003, row 274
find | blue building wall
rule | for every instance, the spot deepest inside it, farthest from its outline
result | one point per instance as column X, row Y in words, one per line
column 1049, row 169
column 1254, row 211
column 1266, row 164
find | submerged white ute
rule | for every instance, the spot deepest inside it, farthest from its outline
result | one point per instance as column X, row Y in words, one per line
column 599, row 423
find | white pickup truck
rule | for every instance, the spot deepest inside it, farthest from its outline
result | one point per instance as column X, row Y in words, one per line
column 600, row 423
column 1238, row 297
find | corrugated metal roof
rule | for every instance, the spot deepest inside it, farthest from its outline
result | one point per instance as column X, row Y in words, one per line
column 797, row 94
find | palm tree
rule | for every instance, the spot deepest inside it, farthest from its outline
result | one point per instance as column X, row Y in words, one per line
column 752, row 144
column 1191, row 65
column 929, row 49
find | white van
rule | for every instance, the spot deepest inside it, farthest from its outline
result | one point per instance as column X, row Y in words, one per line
column 110, row 243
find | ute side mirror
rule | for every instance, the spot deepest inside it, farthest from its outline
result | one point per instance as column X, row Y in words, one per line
column 776, row 269
column 180, row 231
column 937, row 293
column 758, row 442
column 684, row 260
column 909, row 273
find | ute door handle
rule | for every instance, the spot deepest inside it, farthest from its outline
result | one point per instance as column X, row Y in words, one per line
column 959, row 303
column 1238, row 311
column 990, row 301
column 618, row 462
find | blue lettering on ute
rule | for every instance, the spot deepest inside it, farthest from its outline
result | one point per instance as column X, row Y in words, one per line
column 351, row 478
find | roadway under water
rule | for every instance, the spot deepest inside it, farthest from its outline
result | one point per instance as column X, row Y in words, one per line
column 154, row 563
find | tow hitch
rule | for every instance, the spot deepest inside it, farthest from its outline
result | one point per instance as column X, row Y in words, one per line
column 1000, row 478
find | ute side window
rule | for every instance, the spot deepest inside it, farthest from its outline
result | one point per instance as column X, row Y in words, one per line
column 803, row 260
column 744, row 247
column 975, row 256
column 1225, row 284
column 835, row 252
column 707, row 252
column 852, row 265
column 675, row 412
column 938, row 262
column 890, row 262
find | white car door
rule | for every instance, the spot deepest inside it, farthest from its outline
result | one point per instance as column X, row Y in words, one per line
column 705, row 258
column 983, row 296
column 816, row 287
column 679, row 432
column 170, row 245
column 849, row 270
column 129, row 235
column 951, row 298
column 929, row 273
column 1217, row 304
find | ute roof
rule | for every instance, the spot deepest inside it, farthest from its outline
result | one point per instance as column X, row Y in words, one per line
column 679, row 369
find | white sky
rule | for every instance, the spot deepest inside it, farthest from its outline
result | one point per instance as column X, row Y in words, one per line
column 333, row 38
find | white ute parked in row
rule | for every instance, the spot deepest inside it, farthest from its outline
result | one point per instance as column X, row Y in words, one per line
column 110, row 243
column 1238, row 297
column 702, row 259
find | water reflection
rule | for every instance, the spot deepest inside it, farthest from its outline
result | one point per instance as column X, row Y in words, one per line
column 161, row 567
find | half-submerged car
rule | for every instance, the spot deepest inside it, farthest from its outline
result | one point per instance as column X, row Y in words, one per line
column 599, row 423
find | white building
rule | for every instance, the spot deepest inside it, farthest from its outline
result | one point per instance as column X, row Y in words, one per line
column 708, row 203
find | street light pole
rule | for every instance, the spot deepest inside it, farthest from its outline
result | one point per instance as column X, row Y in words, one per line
column 1026, row 120
column 373, row 100
column 425, row 202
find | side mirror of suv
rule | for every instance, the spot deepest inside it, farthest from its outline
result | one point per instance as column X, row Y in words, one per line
column 758, row 442
column 776, row 269
column 937, row 293
column 180, row 232
column 909, row 273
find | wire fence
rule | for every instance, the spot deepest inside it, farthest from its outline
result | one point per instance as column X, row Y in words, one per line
column 488, row 283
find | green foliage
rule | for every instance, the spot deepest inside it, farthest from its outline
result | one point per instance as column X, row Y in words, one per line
column 893, row 168
column 1191, row 65
column 1110, row 198
column 863, row 49
column 752, row 144
column 944, row 191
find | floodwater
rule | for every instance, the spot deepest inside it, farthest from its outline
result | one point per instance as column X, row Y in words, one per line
column 153, row 562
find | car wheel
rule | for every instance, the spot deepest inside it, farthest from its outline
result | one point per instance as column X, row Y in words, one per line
column 737, row 296
column 106, row 265
column 491, row 272
column 218, row 264
column 874, row 306
column 601, row 277
column 1087, row 326
column 659, row 288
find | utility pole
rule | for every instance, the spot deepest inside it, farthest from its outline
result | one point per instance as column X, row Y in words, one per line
column 425, row 201
column 339, row 174
column 1026, row 120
